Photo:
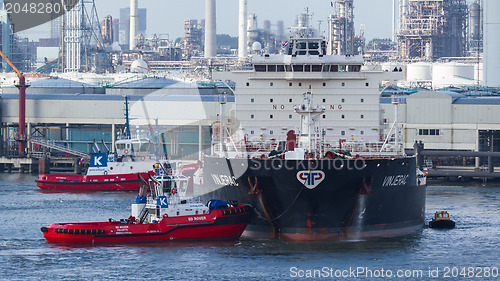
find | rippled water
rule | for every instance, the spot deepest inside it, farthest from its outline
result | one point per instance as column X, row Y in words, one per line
column 472, row 246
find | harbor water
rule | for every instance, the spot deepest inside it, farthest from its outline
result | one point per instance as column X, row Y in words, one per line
column 468, row 252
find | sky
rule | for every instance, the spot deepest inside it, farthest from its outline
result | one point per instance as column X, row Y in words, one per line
column 167, row 16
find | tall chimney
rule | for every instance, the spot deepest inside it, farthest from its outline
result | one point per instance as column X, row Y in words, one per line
column 394, row 20
column 210, row 32
column 242, row 36
column 133, row 23
column 491, row 43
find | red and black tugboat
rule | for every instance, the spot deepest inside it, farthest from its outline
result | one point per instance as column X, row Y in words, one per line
column 162, row 214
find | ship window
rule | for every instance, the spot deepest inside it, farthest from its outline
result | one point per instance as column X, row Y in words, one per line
column 252, row 132
column 324, row 116
column 280, row 68
column 423, row 132
column 307, row 68
column 314, row 52
column 248, row 84
column 298, row 68
column 252, row 116
column 343, row 100
column 362, row 100
column 342, row 68
column 342, row 133
column 260, row 68
column 313, row 45
column 354, row 68
column 271, row 132
column 302, row 52
column 343, row 116
column 343, row 84
column 290, row 116
column 288, row 68
column 367, row 84
column 252, row 100
column 334, row 68
column 290, row 100
column 317, row 68
column 290, row 84
column 324, row 84
column 271, row 68
column 434, row 132
column 362, row 132
column 300, row 84
column 271, row 116
column 271, row 84
column 302, row 45
column 271, row 100
column 324, row 100
column 362, row 116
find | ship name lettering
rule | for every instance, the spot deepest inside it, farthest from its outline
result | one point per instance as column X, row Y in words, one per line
column 395, row 180
column 224, row 180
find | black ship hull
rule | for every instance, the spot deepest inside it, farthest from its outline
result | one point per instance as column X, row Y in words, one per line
column 310, row 200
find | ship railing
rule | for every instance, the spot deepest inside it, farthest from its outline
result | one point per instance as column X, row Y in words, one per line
column 53, row 145
column 366, row 148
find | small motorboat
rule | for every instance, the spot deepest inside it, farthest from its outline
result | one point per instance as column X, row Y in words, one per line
column 160, row 213
column 441, row 220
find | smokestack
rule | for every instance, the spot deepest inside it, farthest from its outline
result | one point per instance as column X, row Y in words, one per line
column 242, row 36
column 133, row 23
column 210, row 31
column 491, row 37
column 394, row 20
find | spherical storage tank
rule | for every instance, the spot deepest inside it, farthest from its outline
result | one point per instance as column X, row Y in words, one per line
column 420, row 71
column 139, row 66
column 452, row 70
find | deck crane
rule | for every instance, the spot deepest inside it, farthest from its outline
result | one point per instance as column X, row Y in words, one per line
column 21, row 133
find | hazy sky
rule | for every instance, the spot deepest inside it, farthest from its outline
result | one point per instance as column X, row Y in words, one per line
column 167, row 16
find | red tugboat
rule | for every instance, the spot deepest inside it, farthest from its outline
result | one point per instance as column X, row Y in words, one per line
column 161, row 215
column 109, row 171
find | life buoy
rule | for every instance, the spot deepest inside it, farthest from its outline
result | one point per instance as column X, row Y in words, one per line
column 125, row 151
column 143, row 158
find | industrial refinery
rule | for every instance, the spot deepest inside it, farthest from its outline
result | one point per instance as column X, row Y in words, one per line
column 440, row 50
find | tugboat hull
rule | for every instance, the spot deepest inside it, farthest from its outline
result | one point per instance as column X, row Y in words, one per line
column 123, row 182
column 220, row 224
column 443, row 224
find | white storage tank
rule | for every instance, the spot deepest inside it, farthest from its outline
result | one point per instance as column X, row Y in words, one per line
column 452, row 70
column 420, row 71
column 139, row 66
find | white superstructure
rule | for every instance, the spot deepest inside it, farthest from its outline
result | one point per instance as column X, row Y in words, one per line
column 266, row 96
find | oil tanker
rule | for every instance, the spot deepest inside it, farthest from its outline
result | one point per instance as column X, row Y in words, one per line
column 305, row 146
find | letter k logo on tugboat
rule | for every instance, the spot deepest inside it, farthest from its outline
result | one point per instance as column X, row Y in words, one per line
column 310, row 179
